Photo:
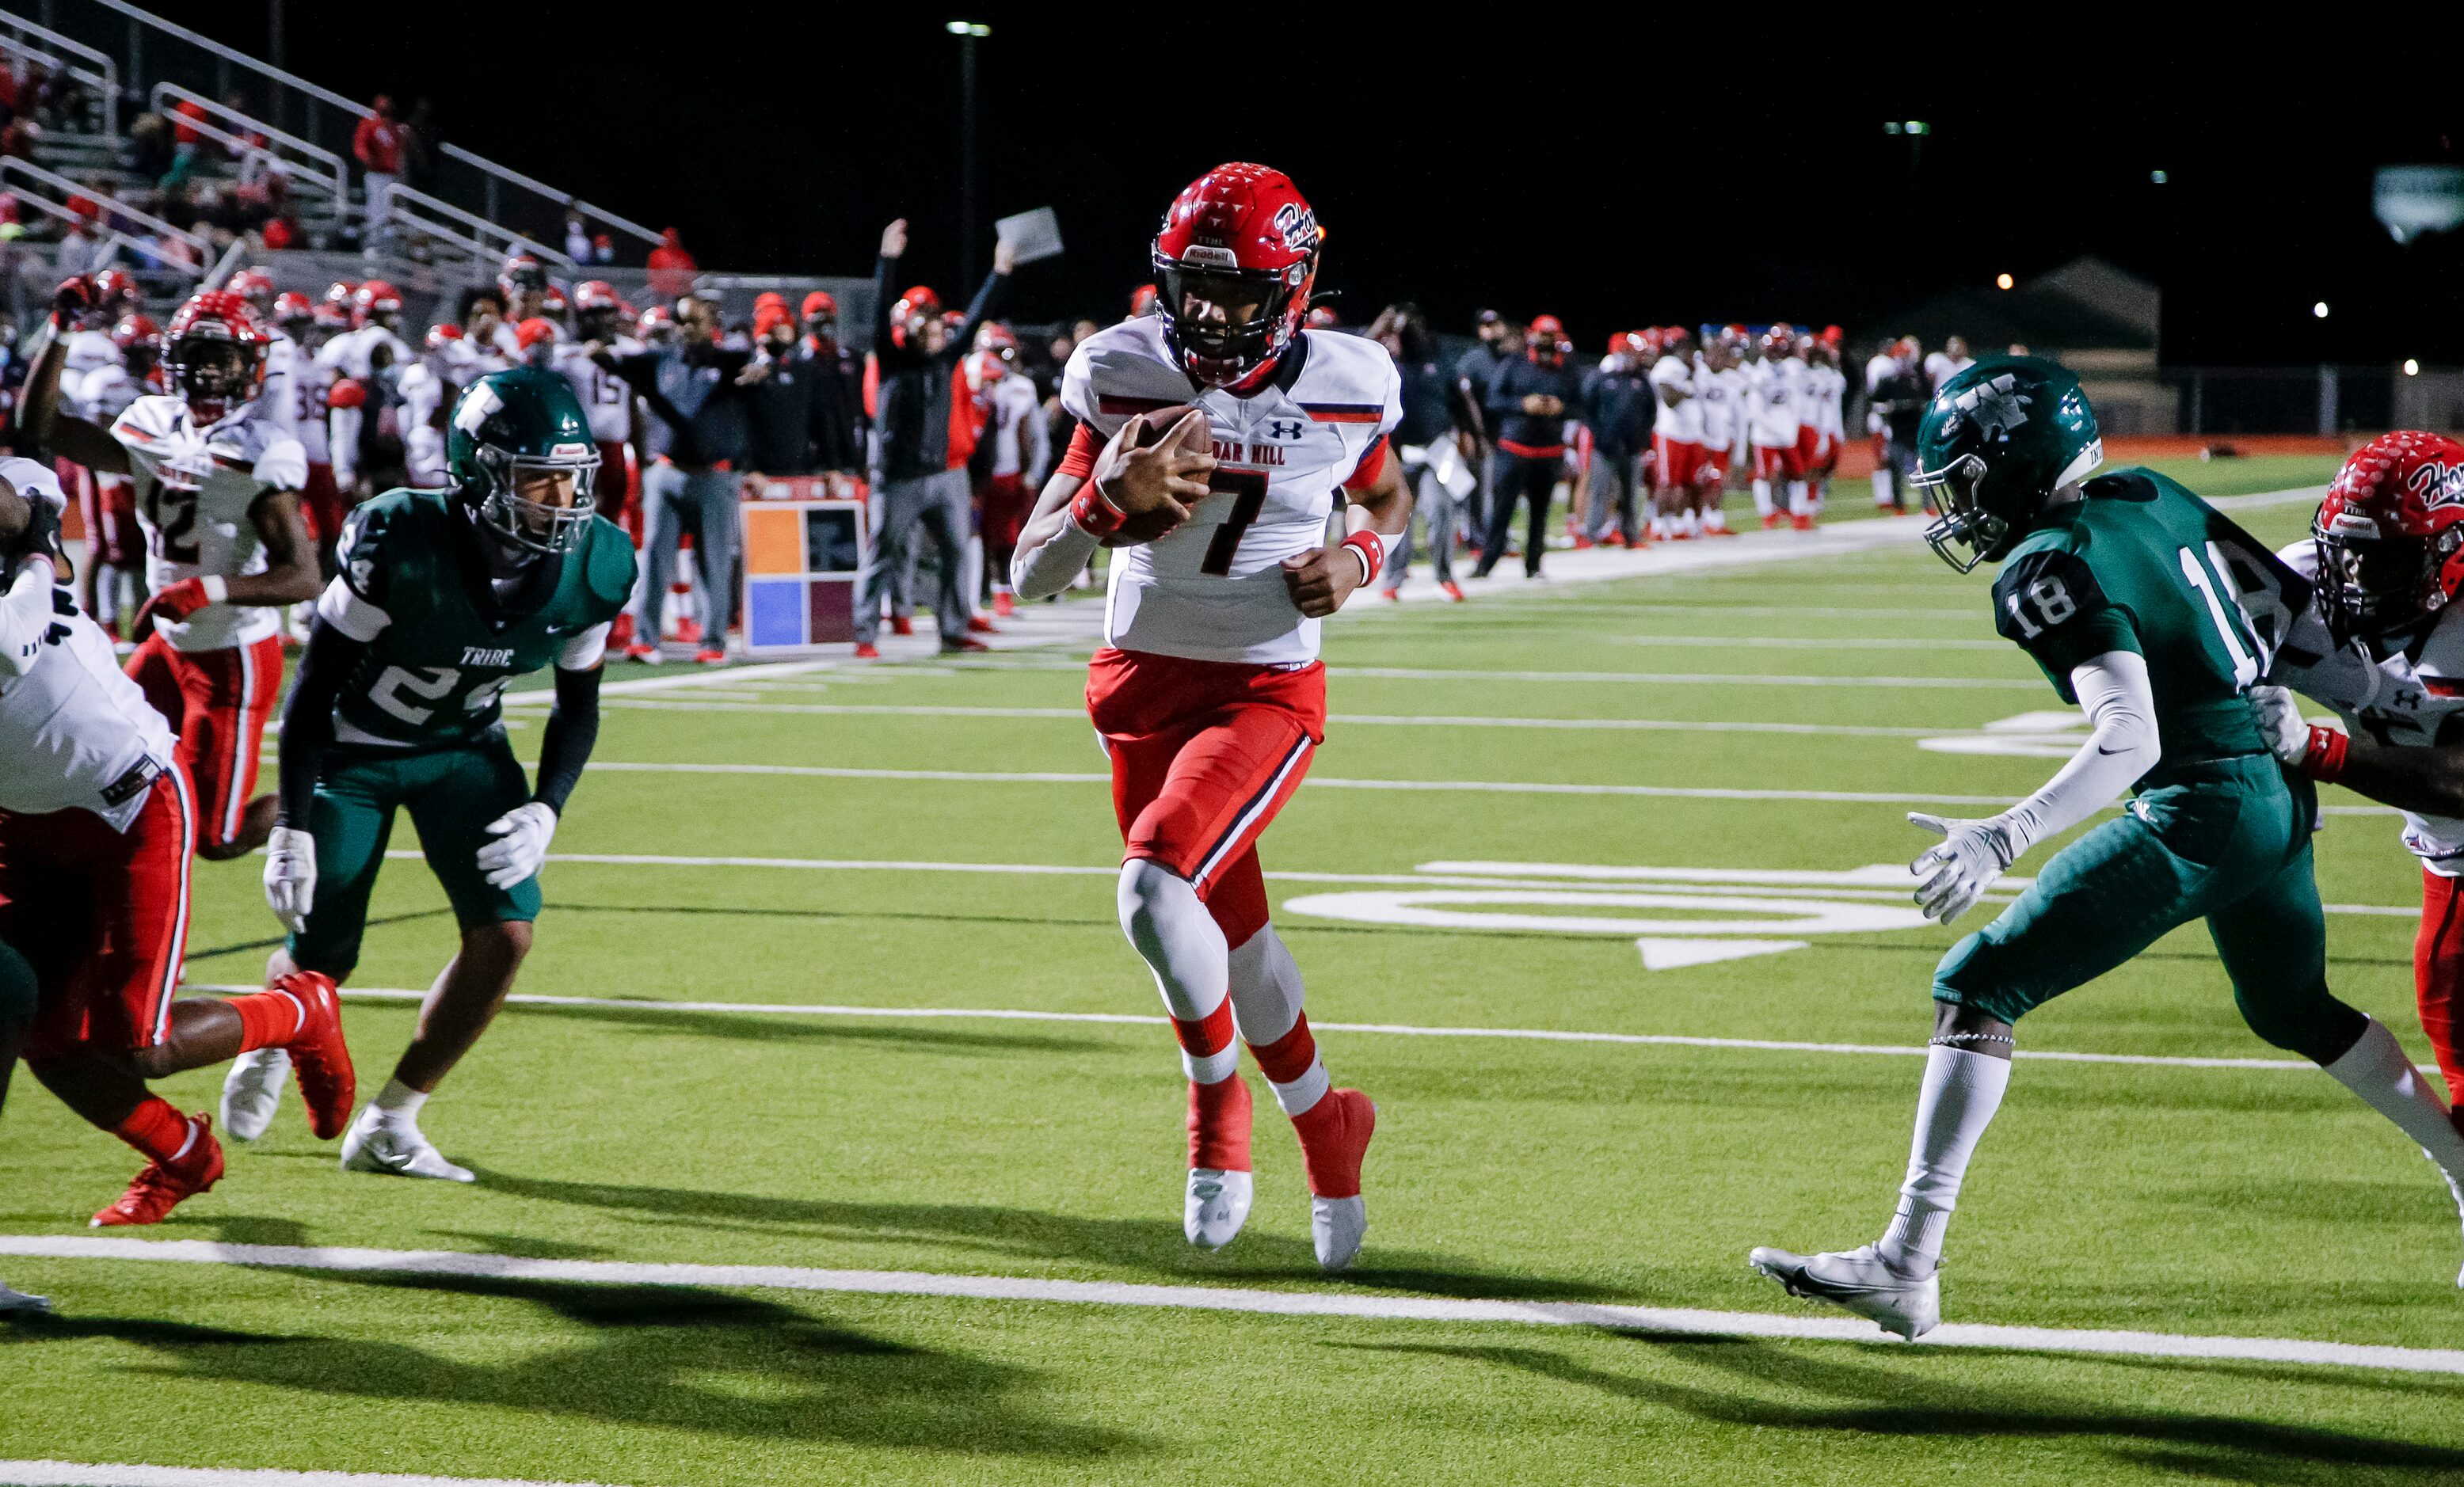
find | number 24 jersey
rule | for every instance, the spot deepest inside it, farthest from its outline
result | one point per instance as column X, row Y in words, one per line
column 1213, row 590
column 2142, row 564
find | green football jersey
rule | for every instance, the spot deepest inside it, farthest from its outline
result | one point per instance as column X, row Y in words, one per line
column 2143, row 564
column 432, row 677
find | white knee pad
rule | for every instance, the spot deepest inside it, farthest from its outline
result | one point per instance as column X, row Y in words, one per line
column 1180, row 940
column 1264, row 986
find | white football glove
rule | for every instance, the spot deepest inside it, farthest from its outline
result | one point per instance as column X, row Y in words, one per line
column 291, row 876
column 2279, row 718
column 520, row 847
column 1956, row 873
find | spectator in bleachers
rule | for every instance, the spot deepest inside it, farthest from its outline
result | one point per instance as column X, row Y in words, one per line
column 698, row 391
column 576, row 235
column 923, row 434
column 377, row 145
column 147, row 152
column 672, row 270
column 838, row 389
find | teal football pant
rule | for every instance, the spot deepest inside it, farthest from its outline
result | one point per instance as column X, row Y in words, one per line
column 2227, row 840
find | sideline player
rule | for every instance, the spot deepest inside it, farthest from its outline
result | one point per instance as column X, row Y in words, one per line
column 2156, row 615
column 1208, row 691
column 96, row 826
column 1022, row 449
column 1774, row 401
column 218, row 496
column 443, row 597
column 2383, row 645
column 1825, row 427
column 1718, row 387
column 1677, row 456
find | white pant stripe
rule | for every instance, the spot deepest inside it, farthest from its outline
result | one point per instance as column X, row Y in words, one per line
column 172, row 963
column 1249, row 816
column 242, row 747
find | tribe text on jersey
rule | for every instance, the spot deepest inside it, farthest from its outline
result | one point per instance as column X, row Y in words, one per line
column 1213, row 590
column 196, row 489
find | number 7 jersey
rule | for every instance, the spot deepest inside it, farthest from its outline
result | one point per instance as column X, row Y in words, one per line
column 415, row 589
column 1213, row 590
column 2142, row 564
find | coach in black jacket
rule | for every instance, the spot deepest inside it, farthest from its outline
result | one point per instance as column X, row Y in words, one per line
column 924, row 429
column 1529, row 402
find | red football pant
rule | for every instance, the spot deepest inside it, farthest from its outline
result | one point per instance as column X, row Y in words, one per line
column 619, row 501
column 322, row 500
column 1677, row 461
column 1204, row 754
column 102, row 916
column 1782, row 464
column 2437, row 972
column 218, row 702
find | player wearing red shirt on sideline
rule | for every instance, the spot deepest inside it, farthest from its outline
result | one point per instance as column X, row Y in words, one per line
column 218, row 498
column 97, row 826
column 1208, row 692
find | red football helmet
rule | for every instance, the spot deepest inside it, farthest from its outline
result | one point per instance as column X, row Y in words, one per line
column 1322, row 317
column 655, row 321
column 521, row 272
column 595, row 295
column 1237, row 256
column 552, row 301
column 821, row 304
column 534, row 333
column 443, row 334
column 1545, row 339
column 918, row 304
column 1779, row 343
column 253, row 285
column 2390, row 534
column 293, row 306
column 1142, row 302
column 376, row 296
column 1624, row 343
column 1650, row 341
column 214, row 354
column 115, row 292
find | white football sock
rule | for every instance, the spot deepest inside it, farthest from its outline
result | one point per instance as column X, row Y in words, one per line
column 1181, row 944
column 398, row 1103
column 1799, row 503
column 1762, row 497
column 1265, row 988
column 2377, row 1069
column 1961, row 1092
column 1882, row 488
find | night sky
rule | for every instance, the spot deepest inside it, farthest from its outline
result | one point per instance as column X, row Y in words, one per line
column 1590, row 174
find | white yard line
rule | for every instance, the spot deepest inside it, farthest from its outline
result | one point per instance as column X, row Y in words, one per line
column 1078, row 715
column 1686, row 1321
column 1816, row 641
column 82, row 1474
column 1391, row 1029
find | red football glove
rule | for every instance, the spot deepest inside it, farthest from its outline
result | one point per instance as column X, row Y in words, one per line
column 73, row 299
column 174, row 603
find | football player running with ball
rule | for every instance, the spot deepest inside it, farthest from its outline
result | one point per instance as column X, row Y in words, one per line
column 2156, row 615
column 1208, row 692
column 442, row 598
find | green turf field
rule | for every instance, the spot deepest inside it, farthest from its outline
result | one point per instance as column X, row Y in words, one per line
column 2241, row 1202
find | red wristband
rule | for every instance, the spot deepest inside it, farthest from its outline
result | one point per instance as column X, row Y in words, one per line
column 1373, row 553
column 1094, row 512
column 2324, row 759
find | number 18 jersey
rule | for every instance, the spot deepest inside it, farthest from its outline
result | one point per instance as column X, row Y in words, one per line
column 2142, row 564
column 1213, row 590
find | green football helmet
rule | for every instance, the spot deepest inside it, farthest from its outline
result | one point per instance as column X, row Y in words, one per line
column 511, row 426
column 1997, row 441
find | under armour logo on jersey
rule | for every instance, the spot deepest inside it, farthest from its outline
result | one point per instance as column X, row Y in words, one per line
column 1995, row 407
column 1286, row 428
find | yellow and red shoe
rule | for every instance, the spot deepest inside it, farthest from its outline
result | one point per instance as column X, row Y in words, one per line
column 1335, row 1137
column 327, row 1082
column 164, row 1185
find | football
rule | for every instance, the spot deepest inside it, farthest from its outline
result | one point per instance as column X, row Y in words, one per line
column 1153, row 428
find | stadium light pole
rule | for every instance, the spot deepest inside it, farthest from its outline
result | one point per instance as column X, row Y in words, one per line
column 968, row 32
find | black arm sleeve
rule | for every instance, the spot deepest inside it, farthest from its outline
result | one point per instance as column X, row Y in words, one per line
column 308, row 716
column 881, row 298
column 964, row 341
column 565, row 743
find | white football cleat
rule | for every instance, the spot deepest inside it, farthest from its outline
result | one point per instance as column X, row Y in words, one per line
column 396, row 1148
column 16, row 1303
column 1215, row 1207
column 252, row 1091
column 1336, row 1227
column 1861, row 1282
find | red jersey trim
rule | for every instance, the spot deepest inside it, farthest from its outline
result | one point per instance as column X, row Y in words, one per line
column 1345, row 412
column 1364, row 475
column 1532, row 452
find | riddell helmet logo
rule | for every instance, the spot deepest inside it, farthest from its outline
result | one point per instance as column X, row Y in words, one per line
column 1297, row 224
column 2438, row 485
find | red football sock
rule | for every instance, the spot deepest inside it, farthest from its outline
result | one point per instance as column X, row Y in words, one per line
column 156, row 1128
column 1219, row 1124
column 1208, row 1036
column 269, row 1019
column 1288, row 1057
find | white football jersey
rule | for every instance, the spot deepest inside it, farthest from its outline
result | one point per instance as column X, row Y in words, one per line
column 422, row 394
column 353, row 352
column 106, row 393
column 1884, row 364
column 305, row 390
column 2413, row 699
column 1940, row 368
column 88, row 353
column 282, row 372
column 195, row 490
column 1213, row 590
column 1683, row 423
column 72, row 724
column 466, row 362
column 1015, row 410
column 1826, row 387
column 1773, row 389
column 606, row 399
column 1722, row 395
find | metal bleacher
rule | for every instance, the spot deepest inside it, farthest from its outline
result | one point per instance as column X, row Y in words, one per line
column 256, row 119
